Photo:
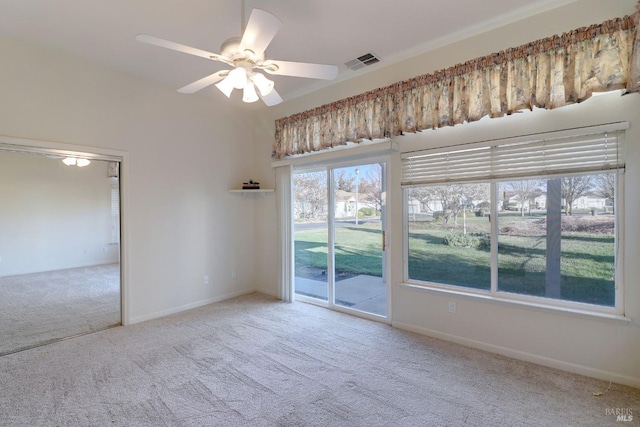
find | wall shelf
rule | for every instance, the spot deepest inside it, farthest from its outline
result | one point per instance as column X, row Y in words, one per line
column 263, row 192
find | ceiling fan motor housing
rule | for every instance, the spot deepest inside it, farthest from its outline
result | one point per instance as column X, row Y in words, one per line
column 230, row 49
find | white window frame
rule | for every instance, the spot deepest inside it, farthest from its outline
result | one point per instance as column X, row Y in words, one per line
column 495, row 295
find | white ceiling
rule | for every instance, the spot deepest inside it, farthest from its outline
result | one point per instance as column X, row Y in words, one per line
column 320, row 31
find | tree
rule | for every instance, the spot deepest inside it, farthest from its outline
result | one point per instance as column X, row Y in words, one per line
column 310, row 194
column 525, row 191
column 433, row 198
column 470, row 194
column 574, row 187
column 605, row 185
column 371, row 187
column 345, row 183
column 422, row 195
column 452, row 198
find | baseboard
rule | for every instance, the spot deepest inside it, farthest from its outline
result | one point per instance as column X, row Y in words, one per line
column 189, row 306
column 271, row 293
column 525, row 356
column 50, row 270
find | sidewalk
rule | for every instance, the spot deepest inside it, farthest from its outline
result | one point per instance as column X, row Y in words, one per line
column 364, row 293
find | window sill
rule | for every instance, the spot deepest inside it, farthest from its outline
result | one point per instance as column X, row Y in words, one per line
column 491, row 299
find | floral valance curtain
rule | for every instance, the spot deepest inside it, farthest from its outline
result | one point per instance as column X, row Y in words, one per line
column 547, row 73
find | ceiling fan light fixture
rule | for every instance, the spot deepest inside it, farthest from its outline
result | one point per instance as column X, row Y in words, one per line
column 226, row 86
column 249, row 93
column 238, row 77
column 264, row 85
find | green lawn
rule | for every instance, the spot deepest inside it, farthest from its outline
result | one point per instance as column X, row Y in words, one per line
column 587, row 259
column 432, row 261
column 358, row 249
column 586, row 265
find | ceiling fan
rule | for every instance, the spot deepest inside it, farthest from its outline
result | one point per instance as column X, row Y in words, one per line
column 246, row 55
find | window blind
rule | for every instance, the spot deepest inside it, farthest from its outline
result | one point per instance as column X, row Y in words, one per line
column 551, row 155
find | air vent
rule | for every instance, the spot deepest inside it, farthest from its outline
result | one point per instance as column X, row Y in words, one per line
column 362, row 61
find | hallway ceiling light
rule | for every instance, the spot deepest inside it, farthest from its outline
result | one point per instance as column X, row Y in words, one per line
column 72, row 161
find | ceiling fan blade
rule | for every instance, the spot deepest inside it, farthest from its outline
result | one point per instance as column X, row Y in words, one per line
column 149, row 39
column 302, row 69
column 272, row 98
column 204, row 82
column 261, row 29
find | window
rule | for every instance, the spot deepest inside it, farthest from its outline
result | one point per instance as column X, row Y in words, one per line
column 450, row 234
column 524, row 219
column 556, row 238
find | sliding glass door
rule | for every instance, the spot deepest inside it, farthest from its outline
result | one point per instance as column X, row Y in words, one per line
column 339, row 233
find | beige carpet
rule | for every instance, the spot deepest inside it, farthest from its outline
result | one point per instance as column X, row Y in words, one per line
column 255, row 361
column 42, row 307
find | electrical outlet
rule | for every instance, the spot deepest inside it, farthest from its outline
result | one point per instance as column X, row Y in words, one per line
column 452, row 307
column 206, row 280
column 233, row 274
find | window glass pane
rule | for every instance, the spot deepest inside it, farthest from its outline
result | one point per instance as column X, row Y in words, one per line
column 449, row 234
column 557, row 238
column 310, row 233
column 358, row 239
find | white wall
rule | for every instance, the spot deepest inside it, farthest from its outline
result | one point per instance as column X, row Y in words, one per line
column 181, row 155
column 593, row 346
column 53, row 216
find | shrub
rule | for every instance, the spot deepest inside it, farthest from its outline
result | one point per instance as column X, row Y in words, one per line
column 483, row 209
column 366, row 212
column 469, row 240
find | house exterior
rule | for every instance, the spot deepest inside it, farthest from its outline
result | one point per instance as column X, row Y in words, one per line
column 346, row 201
column 414, row 207
column 584, row 202
column 541, row 201
column 589, row 202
